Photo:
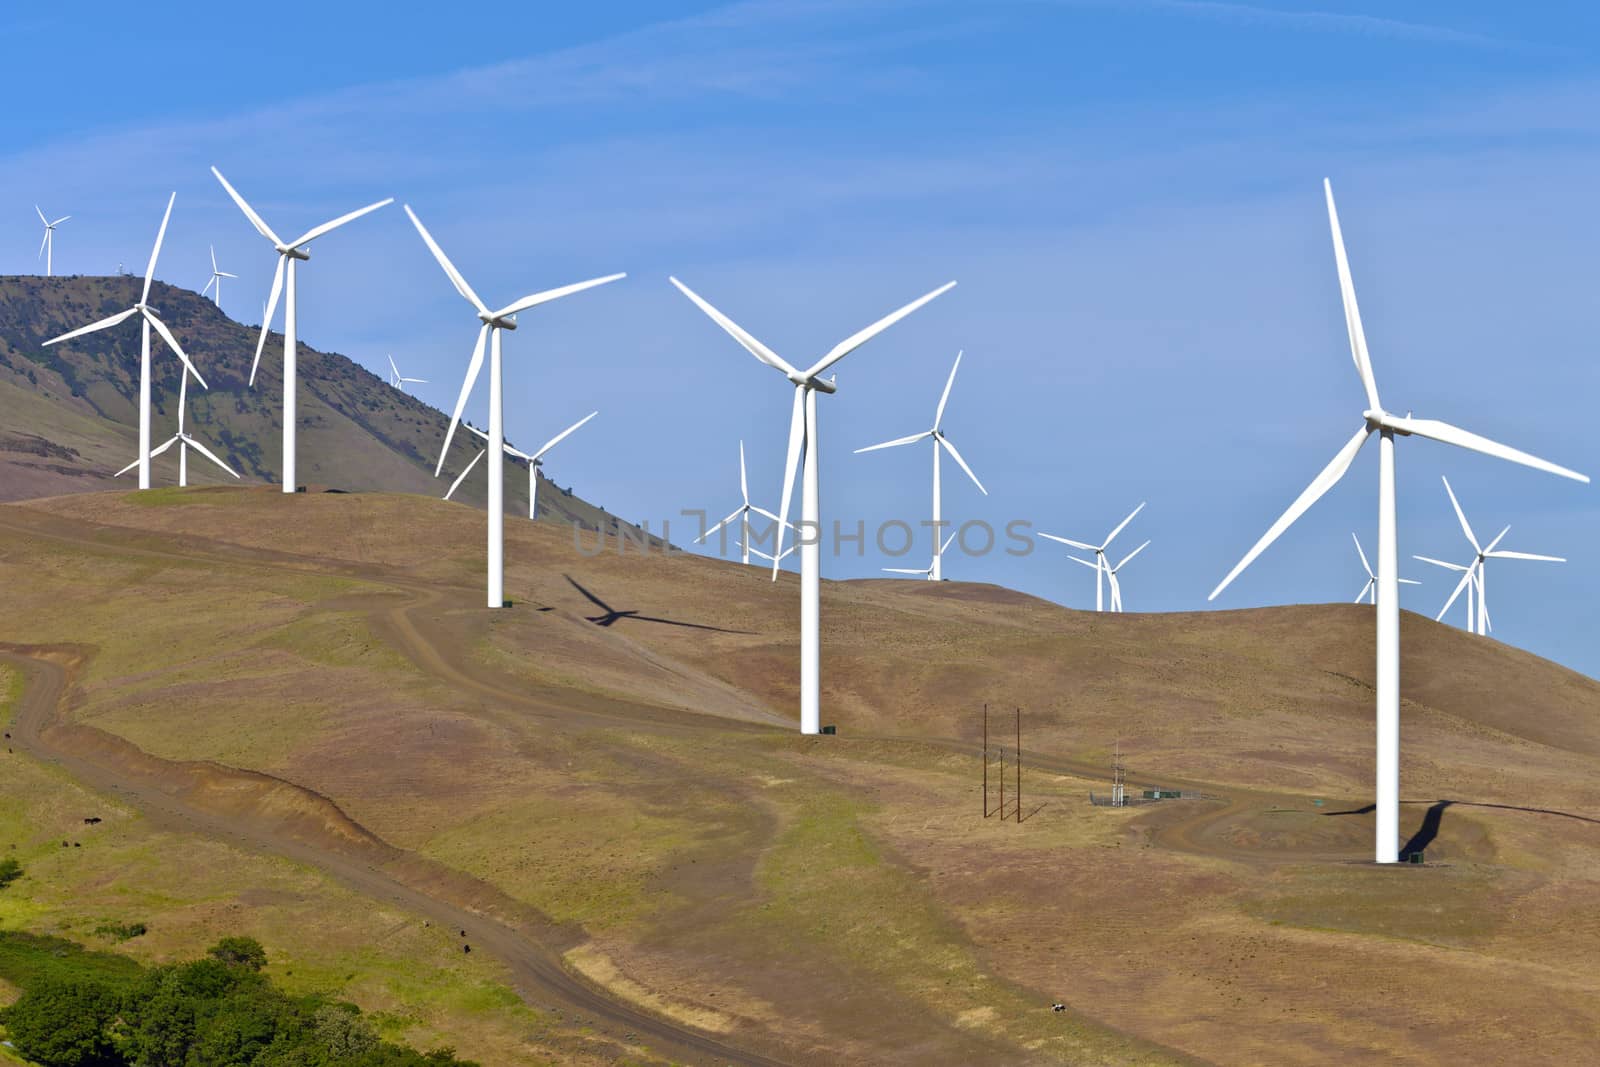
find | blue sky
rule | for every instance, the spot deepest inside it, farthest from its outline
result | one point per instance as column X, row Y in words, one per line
column 1128, row 193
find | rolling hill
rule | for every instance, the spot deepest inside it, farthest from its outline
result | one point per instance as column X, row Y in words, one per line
column 299, row 704
column 69, row 414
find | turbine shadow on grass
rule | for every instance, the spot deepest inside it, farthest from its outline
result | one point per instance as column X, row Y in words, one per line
column 611, row 616
column 1429, row 830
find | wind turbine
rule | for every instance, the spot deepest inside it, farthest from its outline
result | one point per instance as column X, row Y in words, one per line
column 398, row 380
column 930, row 570
column 940, row 442
column 216, row 280
column 493, row 323
column 149, row 319
column 47, row 246
column 183, row 440
column 1476, row 571
column 803, row 433
column 283, row 281
column 742, row 513
column 1369, row 592
column 1375, row 420
column 1099, row 551
column 536, row 460
column 1102, row 564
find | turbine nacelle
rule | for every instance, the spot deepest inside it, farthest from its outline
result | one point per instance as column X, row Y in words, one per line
column 501, row 322
column 292, row 251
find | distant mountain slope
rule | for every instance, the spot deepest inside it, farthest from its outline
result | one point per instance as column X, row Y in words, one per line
column 69, row 415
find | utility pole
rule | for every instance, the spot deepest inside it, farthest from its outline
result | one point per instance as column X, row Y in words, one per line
column 1117, row 798
column 1019, row 764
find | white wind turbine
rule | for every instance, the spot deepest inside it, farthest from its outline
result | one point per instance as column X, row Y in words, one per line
column 534, row 461
column 928, row 571
column 183, row 440
column 47, row 246
column 399, row 380
column 1375, row 420
column 493, row 323
column 1476, row 572
column 1102, row 564
column 742, row 514
column 1369, row 592
column 149, row 320
column 216, row 280
column 1099, row 551
column 940, row 442
column 803, row 434
column 283, row 280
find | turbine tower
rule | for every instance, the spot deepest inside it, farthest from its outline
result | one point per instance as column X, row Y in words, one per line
column 494, row 322
column 1476, row 571
column 1099, row 551
column 149, row 320
column 216, row 280
column 742, row 513
column 940, row 443
column 1375, row 420
column 534, row 461
column 1369, row 592
column 47, row 246
column 283, row 281
column 1102, row 564
column 398, row 380
column 803, row 434
column 183, row 440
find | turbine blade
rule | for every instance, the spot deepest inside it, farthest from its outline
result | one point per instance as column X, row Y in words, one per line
column 249, row 212
column 1364, row 590
column 950, row 448
column 1441, row 563
column 104, row 323
column 463, row 475
column 797, row 430
column 1129, row 556
column 40, row 210
column 1352, row 311
column 317, row 231
column 1121, row 525
column 861, row 337
column 1461, row 515
column 946, row 546
column 43, row 241
column 912, row 439
column 734, row 514
column 209, row 284
column 1070, row 541
column 266, row 316
column 904, row 570
column 1085, row 562
column 1462, row 584
column 394, row 368
column 1319, row 485
column 737, row 332
column 1503, row 554
column 554, row 294
column 172, row 343
column 59, row 221
column 206, row 452
column 1408, row 581
column 213, row 258
column 1454, row 435
column 474, row 430
column 168, row 443
column 466, row 389
column 562, row 436
column 126, row 469
column 938, row 415
column 444, row 261
column 1496, row 542
column 744, row 480
column 161, row 235
column 1364, row 564
column 765, row 514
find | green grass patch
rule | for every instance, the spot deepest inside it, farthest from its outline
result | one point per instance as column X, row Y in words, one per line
column 26, row 959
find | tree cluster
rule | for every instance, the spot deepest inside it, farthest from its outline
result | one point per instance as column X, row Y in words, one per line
column 219, row 1011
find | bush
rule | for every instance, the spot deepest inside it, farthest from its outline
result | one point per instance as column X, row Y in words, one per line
column 10, row 871
column 121, row 931
column 64, row 1025
column 240, row 951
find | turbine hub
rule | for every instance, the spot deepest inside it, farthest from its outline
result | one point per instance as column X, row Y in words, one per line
column 821, row 385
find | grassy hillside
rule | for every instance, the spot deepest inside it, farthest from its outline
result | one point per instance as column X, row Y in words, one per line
column 630, row 789
column 71, row 420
